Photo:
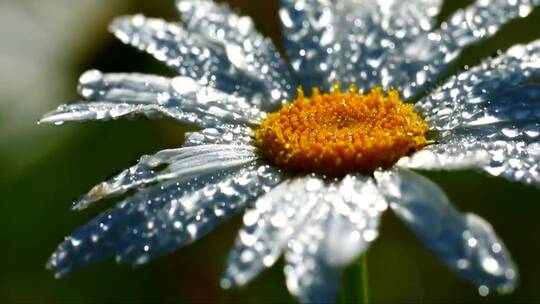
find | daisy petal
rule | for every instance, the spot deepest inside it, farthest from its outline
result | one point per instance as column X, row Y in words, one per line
column 113, row 231
column 388, row 43
column 354, row 41
column 279, row 218
column 487, row 117
column 433, row 53
column 304, row 23
column 178, row 164
column 498, row 90
column 105, row 110
column 192, row 55
column 481, row 20
column 246, row 48
column 199, row 212
column 222, row 134
column 513, row 160
column 337, row 232
column 115, row 95
column 268, row 226
column 447, row 156
column 162, row 218
column 123, row 87
column 387, row 30
column 356, row 209
column 308, row 274
column 465, row 242
column 516, row 161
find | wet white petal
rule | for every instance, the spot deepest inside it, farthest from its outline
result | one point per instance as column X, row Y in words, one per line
column 430, row 55
column 388, row 43
column 338, row 230
column 382, row 31
column 356, row 209
column 274, row 219
column 355, row 41
column 192, row 55
column 179, row 164
column 514, row 160
column 308, row 274
column 246, row 48
column 304, row 24
column 114, row 95
column 105, row 110
column 122, row 87
column 482, row 20
column 221, row 134
column 448, row 156
column 487, row 117
column 465, row 242
column 322, row 224
column 162, row 218
column 499, row 90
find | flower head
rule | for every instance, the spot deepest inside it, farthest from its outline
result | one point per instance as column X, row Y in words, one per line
column 341, row 132
column 314, row 174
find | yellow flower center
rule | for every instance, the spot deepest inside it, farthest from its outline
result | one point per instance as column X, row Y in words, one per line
column 340, row 132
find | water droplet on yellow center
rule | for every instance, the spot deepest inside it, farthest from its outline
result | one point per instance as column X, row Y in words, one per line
column 340, row 132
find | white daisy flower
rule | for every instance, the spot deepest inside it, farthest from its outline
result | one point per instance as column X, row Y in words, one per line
column 313, row 173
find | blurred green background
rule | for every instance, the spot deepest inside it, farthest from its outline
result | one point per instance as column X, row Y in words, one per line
column 47, row 44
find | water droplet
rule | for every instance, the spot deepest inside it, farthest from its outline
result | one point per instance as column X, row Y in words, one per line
column 471, row 242
column 483, row 290
column 184, row 85
column 192, row 230
column 279, row 220
column 313, row 184
column 370, row 235
column 225, row 283
column 90, row 77
column 491, row 265
column 510, row 132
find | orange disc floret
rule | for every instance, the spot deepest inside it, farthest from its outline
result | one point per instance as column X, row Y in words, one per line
column 340, row 132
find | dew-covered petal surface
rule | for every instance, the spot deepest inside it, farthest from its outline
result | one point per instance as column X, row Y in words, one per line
column 500, row 89
column 114, row 95
column 431, row 54
column 304, row 24
column 321, row 225
column 269, row 224
column 163, row 217
column 178, row 164
column 385, row 43
column 246, row 48
column 210, row 62
column 308, row 275
column 221, row 134
column 479, row 21
column 464, row 241
column 448, row 156
column 513, row 160
column 338, row 230
column 353, row 41
column 488, row 115
column 356, row 206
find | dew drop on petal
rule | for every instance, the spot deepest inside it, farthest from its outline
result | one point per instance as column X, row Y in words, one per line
column 483, row 290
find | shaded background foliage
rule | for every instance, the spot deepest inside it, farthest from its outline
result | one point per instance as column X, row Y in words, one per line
column 47, row 44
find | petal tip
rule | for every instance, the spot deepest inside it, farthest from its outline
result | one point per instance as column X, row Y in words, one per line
column 51, row 118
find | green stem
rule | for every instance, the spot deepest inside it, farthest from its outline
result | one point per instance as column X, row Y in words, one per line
column 355, row 283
